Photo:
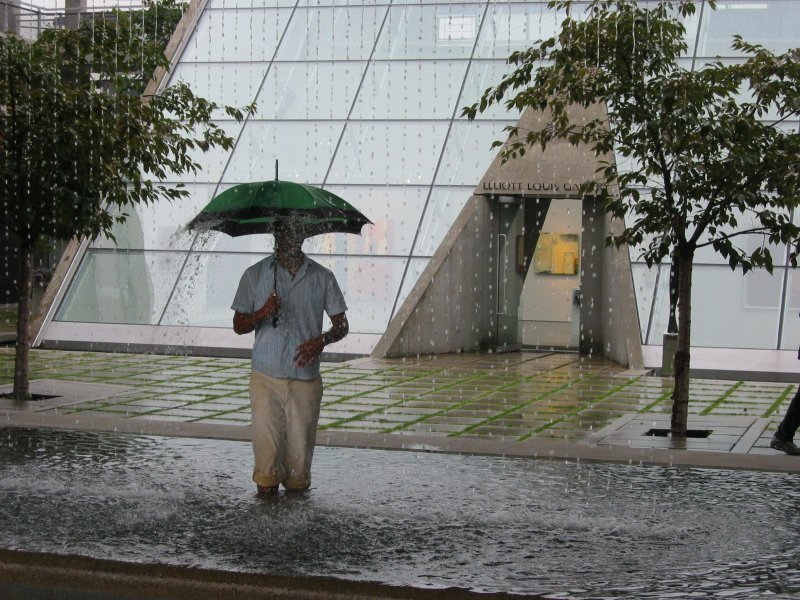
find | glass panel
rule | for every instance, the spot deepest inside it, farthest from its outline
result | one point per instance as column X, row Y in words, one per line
column 394, row 212
column 791, row 323
column 748, row 243
column 159, row 226
column 210, row 163
column 659, row 320
column 220, row 4
column 415, row 268
column 227, row 85
column 369, row 286
column 388, row 153
column 469, row 153
column 772, row 23
column 729, row 312
column 332, row 34
column 443, row 208
column 691, row 23
column 304, row 150
column 481, row 76
column 440, row 31
column 206, row 288
column 230, row 35
column 413, row 89
column 644, row 281
column 121, row 287
column 511, row 27
column 374, row 2
column 314, row 90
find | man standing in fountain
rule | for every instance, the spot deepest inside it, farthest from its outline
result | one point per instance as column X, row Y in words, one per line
column 282, row 298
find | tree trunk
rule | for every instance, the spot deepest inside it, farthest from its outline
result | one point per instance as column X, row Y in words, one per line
column 22, row 358
column 680, row 393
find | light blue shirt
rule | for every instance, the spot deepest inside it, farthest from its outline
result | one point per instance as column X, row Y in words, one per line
column 314, row 289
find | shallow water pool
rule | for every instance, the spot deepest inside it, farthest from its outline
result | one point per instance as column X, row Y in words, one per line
column 556, row 528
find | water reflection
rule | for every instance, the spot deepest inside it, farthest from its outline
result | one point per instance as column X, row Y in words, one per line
column 421, row 519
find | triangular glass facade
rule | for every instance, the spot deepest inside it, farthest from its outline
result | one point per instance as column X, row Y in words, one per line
column 363, row 98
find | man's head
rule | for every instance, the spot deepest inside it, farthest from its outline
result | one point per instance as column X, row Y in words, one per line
column 289, row 235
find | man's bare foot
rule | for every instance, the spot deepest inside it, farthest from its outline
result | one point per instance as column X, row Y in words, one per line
column 264, row 490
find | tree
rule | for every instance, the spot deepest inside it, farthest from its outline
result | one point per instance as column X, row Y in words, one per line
column 79, row 143
column 709, row 167
column 156, row 19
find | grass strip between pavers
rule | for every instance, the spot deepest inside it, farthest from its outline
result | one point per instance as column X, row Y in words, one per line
column 378, row 388
column 660, row 400
column 577, row 411
column 522, row 405
column 368, row 373
column 468, row 401
column 78, row 408
column 463, row 403
column 402, row 401
column 775, row 405
column 721, row 399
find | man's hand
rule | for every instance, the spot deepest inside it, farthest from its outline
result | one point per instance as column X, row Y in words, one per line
column 311, row 349
column 245, row 323
column 308, row 351
column 271, row 306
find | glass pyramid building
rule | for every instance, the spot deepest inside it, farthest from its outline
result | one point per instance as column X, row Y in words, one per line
column 364, row 98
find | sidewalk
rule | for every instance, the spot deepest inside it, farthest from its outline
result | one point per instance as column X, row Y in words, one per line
column 525, row 404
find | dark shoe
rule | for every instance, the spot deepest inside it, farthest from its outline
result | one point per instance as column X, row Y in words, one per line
column 783, row 446
column 267, row 491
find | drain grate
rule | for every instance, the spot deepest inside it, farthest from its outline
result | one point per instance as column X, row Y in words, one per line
column 691, row 433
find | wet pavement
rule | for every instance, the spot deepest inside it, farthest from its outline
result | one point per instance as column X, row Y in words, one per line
column 143, row 459
column 410, row 520
column 455, row 402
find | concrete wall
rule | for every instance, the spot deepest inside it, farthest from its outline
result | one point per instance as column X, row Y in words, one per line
column 594, row 305
column 452, row 306
column 620, row 332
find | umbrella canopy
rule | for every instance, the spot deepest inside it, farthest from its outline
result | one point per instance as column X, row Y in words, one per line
column 250, row 208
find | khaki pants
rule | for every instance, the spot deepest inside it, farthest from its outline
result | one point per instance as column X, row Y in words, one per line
column 285, row 415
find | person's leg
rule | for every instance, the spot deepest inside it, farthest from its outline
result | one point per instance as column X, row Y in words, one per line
column 791, row 420
column 302, row 414
column 783, row 439
column 269, row 430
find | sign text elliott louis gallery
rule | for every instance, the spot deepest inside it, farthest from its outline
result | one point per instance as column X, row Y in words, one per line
column 530, row 186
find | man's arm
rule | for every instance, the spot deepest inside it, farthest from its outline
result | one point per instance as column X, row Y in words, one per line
column 311, row 349
column 245, row 323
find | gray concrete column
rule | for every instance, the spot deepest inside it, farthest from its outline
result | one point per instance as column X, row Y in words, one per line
column 74, row 11
column 9, row 16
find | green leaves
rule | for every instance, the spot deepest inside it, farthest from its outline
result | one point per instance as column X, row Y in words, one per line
column 78, row 143
column 698, row 164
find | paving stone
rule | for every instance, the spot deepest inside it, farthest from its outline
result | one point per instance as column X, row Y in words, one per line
column 445, row 419
column 412, row 410
column 493, row 430
column 161, row 402
column 233, row 417
column 223, row 421
column 388, row 419
column 425, row 427
column 183, row 412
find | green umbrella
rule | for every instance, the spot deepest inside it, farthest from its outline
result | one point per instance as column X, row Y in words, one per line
column 255, row 207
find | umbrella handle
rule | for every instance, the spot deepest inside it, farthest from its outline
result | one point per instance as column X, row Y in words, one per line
column 275, row 288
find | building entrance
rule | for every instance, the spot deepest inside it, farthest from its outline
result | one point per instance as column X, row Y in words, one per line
column 539, row 273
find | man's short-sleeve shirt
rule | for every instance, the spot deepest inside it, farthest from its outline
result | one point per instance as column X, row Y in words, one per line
column 303, row 299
